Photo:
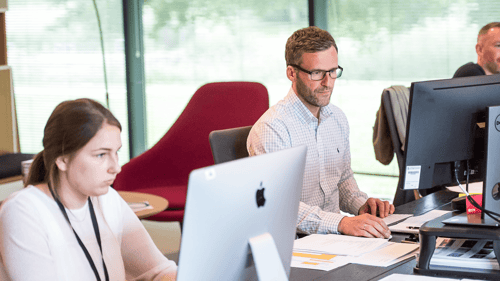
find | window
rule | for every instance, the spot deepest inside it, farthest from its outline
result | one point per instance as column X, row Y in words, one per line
column 191, row 43
column 384, row 43
column 55, row 54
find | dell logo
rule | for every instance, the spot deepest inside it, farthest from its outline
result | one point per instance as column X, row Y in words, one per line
column 261, row 200
column 497, row 123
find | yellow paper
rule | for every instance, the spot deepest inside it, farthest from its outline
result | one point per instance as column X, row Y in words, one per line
column 314, row 256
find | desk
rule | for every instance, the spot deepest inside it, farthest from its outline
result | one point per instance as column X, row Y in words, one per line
column 438, row 200
column 158, row 203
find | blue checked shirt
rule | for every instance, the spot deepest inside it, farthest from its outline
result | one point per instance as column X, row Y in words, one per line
column 329, row 185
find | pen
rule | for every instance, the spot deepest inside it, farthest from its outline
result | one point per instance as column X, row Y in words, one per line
column 409, row 242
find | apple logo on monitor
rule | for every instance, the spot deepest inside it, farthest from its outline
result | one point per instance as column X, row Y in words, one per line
column 261, row 200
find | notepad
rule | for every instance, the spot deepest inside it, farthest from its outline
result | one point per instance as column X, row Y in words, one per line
column 139, row 206
column 393, row 218
column 412, row 224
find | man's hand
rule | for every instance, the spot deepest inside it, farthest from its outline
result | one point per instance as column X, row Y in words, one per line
column 376, row 207
column 364, row 225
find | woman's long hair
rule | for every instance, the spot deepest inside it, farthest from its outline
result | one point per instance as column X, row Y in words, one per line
column 70, row 127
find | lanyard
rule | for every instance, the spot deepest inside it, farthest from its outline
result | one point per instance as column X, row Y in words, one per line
column 97, row 235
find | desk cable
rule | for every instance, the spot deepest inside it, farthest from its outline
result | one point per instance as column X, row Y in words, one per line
column 491, row 214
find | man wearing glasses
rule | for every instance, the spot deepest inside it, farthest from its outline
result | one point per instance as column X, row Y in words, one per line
column 306, row 117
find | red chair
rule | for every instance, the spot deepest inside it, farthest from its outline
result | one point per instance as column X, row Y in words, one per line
column 164, row 169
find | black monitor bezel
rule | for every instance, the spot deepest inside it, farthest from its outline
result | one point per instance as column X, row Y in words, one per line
column 458, row 93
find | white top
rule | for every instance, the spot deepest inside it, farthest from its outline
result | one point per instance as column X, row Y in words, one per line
column 37, row 243
column 329, row 185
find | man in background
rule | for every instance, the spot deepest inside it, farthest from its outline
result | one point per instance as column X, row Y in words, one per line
column 488, row 53
column 306, row 117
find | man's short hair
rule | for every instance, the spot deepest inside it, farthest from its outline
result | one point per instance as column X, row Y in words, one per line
column 486, row 28
column 307, row 40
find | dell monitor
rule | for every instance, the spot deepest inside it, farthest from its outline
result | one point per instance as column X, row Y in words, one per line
column 447, row 128
column 240, row 218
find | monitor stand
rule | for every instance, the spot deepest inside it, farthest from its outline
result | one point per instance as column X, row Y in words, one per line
column 428, row 234
column 266, row 258
column 476, row 226
column 471, row 220
column 491, row 183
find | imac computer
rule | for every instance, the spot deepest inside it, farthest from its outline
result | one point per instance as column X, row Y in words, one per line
column 452, row 135
column 240, row 218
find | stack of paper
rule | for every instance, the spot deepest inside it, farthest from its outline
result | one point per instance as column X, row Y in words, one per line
column 329, row 251
column 413, row 224
column 324, row 262
column 388, row 255
column 338, row 244
column 464, row 254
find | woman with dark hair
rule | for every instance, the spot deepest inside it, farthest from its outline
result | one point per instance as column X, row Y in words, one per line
column 68, row 223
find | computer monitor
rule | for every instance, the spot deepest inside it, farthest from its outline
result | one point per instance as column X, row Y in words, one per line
column 446, row 126
column 240, row 218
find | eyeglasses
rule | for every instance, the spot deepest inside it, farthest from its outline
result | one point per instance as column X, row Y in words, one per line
column 317, row 75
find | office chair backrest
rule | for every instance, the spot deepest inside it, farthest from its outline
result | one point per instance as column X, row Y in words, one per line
column 184, row 147
column 164, row 168
column 229, row 144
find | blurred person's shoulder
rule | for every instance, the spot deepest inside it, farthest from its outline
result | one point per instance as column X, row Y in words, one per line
column 469, row 69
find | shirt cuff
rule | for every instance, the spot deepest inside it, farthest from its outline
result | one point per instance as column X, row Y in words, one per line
column 330, row 223
column 356, row 204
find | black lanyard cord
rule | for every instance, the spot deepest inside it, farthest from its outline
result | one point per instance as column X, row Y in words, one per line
column 97, row 235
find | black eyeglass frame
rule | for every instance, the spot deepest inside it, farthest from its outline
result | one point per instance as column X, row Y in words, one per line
column 333, row 70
